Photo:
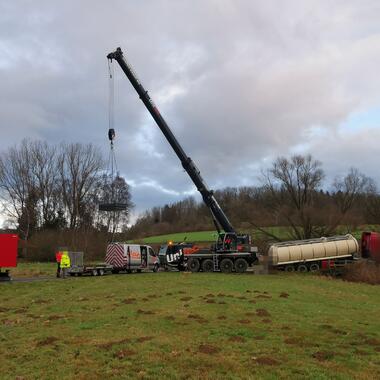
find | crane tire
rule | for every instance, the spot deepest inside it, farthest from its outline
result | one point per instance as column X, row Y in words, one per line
column 94, row 272
column 226, row 266
column 207, row 265
column 101, row 272
column 289, row 268
column 193, row 265
column 241, row 265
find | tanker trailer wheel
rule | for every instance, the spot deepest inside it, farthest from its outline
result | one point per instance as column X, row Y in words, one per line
column 94, row 272
column 314, row 267
column 289, row 268
column 226, row 266
column 207, row 265
column 155, row 268
column 101, row 272
column 193, row 265
column 241, row 265
column 302, row 268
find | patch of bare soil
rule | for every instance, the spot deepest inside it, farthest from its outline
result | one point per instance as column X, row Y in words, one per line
column 222, row 317
column 263, row 296
column 262, row 313
column 186, row 298
column 197, row 318
column 3, row 309
column 55, row 317
column 266, row 360
column 145, row 312
column 129, row 301
column 111, row 343
column 221, row 295
column 284, row 295
column 248, row 291
column 237, row 338
column 244, row 321
column 186, row 305
column 122, row 354
column 22, row 310
column 145, row 299
column 210, row 301
column 170, row 318
column 169, row 294
column 365, row 271
column 361, row 352
column 241, row 298
column 292, row 341
column 210, row 295
column 372, row 342
column 181, row 292
column 323, row 355
column 221, row 303
column 48, row 341
column 144, row 339
column 208, row 349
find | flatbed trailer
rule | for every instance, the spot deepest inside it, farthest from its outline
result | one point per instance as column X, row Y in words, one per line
column 78, row 268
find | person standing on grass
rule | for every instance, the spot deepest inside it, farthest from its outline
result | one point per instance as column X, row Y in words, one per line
column 65, row 263
column 58, row 257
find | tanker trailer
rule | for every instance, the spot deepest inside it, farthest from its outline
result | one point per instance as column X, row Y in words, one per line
column 311, row 254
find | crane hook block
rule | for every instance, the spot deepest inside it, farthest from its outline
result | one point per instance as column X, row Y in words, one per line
column 111, row 134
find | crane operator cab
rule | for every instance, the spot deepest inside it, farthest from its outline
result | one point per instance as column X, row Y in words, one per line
column 231, row 242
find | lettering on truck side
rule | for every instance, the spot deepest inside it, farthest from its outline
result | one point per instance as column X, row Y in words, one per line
column 135, row 255
column 173, row 257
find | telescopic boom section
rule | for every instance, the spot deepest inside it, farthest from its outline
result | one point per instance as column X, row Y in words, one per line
column 219, row 216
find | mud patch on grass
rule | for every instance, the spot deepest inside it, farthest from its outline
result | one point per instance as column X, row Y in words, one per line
column 22, row 310
column 266, row 320
column 129, row 301
column 244, row 321
column 122, row 354
column 237, row 339
column 208, row 349
column 3, row 309
column 186, row 298
column 186, row 305
column 372, row 342
column 210, row 295
column 266, row 360
column 262, row 313
column 145, row 312
column 241, row 298
column 221, row 303
column 222, row 317
column 145, row 299
column 144, row 339
column 181, row 292
column 48, row 341
column 284, row 295
column 111, row 343
column 170, row 318
column 197, row 318
column 55, row 317
column 263, row 296
column 357, row 351
column 210, row 301
column 323, row 355
column 248, row 291
column 169, row 294
column 221, row 295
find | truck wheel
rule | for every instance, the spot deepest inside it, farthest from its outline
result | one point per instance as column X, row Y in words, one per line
column 193, row 265
column 207, row 265
column 115, row 271
column 302, row 268
column 101, row 272
column 289, row 268
column 226, row 266
column 241, row 265
column 94, row 272
column 314, row 267
column 155, row 268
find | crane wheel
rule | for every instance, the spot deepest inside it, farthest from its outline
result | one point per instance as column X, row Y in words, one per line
column 241, row 265
column 289, row 268
column 94, row 272
column 101, row 272
column 302, row 268
column 207, row 265
column 226, row 266
column 193, row 265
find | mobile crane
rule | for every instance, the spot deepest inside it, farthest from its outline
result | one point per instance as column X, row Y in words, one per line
column 232, row 251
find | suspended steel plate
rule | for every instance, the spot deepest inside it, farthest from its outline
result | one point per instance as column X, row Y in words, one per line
column 112, row 206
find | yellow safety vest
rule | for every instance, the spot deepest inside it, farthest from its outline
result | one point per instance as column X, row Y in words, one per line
column 65, row 260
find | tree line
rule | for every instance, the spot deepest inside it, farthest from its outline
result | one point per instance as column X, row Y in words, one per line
column 46, row 187
column 293, row 194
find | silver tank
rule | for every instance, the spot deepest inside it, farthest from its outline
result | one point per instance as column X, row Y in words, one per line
column 313, row 250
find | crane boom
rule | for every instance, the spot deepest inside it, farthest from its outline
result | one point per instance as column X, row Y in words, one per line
column 219, row 217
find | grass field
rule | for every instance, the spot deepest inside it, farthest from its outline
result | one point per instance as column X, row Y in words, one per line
column 177, row 325
column 210, row 236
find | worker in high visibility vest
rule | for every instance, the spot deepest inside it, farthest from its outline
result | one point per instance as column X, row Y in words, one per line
column 65, row 263
column 58, row 257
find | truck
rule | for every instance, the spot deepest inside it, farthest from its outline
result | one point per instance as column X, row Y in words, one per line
column 370, row 246
column 123, row 257
column 232, row 251
column 8, row 254
column 313, row 254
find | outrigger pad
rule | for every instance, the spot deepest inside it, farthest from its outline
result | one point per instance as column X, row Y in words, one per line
column 112, row 207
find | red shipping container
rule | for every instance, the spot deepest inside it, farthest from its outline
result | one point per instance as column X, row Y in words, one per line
column 8, row 250
column 371, row 245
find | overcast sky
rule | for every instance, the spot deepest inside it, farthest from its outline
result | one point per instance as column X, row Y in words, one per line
column 239, row 83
